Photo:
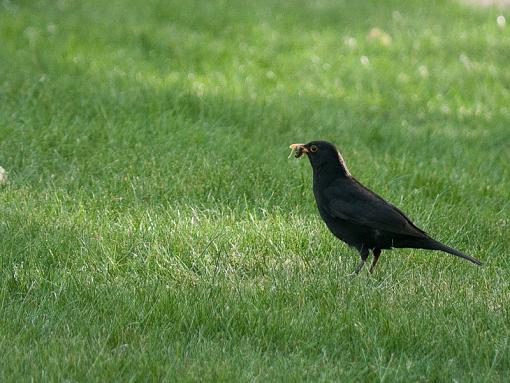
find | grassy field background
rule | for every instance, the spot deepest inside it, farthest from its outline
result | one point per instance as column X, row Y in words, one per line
column 152, row 227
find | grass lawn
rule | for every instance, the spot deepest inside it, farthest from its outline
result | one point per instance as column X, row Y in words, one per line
column 153, row 229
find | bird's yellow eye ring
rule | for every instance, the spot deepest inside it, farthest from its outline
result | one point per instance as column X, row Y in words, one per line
column 313, row 148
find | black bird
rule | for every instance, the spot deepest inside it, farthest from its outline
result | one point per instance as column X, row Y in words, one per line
column 357, row 215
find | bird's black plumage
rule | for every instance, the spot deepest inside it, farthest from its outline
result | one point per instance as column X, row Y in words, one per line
column 357, row 215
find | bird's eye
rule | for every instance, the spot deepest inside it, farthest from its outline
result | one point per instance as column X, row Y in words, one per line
column 313, row 148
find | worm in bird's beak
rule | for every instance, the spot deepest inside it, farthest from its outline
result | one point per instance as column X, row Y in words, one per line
column 298, row 149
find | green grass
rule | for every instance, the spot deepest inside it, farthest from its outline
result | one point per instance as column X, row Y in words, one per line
column 153, row 229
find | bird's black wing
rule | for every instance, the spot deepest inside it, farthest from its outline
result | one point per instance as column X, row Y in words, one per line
column 355, row 203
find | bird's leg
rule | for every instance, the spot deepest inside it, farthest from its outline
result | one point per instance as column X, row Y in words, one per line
column 363, row 252
column 376, row 253
column 360, row 266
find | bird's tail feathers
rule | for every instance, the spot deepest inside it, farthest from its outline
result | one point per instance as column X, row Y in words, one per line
column 435, row 245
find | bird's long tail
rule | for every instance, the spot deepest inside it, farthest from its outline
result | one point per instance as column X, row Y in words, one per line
column 435, row 245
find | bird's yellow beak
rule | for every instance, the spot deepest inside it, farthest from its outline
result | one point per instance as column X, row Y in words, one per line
column 298, row 149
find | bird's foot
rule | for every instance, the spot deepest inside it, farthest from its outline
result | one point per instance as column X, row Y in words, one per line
column 359, row 267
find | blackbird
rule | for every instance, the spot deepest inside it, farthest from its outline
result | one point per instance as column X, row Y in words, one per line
column 357, row 215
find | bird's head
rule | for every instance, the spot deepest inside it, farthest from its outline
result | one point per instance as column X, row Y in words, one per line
column 321, row 154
